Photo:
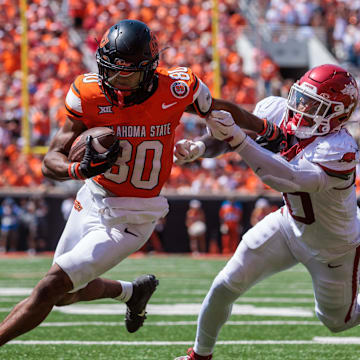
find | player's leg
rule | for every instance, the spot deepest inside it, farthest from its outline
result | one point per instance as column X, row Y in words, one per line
column 262, row 252
column 30, row 312
column 336, row 288
column 99, row 251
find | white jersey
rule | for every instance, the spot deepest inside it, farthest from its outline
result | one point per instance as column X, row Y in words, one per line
column 326, row 222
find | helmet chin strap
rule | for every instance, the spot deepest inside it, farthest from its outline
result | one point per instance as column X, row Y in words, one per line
column 121, row 97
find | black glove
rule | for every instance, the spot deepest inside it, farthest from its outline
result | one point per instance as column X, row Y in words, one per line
column 272, row 138
column 94, row 163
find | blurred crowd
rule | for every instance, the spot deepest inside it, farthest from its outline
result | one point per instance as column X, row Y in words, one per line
column 339, row 18
column 24, row 225
column 184, row 32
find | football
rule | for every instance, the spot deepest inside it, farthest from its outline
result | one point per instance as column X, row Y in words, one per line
column 102, row 139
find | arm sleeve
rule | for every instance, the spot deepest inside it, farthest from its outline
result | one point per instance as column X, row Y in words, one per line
column 282, row 176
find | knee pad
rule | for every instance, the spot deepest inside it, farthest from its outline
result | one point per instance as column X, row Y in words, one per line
column 221, row 293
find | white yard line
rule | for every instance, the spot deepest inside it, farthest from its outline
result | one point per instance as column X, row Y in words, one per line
column 314, row 341
column 178, row 309
column 178, row 323
column 182, row 309
column 4, row 291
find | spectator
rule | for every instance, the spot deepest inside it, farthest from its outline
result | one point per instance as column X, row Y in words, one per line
column 9, row 213
column 196, row 226
column 29, row 223
column 269, row 71
column 230, row 215
column 261, row 209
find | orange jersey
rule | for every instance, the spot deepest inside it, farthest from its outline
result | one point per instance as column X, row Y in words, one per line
column 146, row 131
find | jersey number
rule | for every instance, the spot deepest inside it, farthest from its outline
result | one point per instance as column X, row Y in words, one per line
column 179, row 73
column 307, row 208
column 147, row 164
column 90, row 78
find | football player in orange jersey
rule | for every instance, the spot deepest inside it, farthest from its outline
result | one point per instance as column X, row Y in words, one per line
column 117, row 208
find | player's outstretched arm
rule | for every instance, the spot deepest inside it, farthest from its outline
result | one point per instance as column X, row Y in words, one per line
column 242, row 118
column 272, row 169
column 264, row 132
column 186, row 151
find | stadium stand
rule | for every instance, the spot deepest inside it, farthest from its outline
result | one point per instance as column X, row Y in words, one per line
column 55, row 58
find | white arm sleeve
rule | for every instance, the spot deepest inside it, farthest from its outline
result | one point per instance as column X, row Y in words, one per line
column 282, row 176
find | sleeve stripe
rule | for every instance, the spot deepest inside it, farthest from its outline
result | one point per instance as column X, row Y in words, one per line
column 198, row 90
column 196, row 83
column 73, row 102
column 72, row 113
column 347, row 171
column 75, row 88
column 338, row 173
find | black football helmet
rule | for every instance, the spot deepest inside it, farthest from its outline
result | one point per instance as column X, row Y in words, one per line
column 127, row 47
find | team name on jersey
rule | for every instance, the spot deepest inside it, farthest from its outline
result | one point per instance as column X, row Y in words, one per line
column 140, row 131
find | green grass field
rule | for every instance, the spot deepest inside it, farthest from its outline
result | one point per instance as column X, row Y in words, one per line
column 274, row 320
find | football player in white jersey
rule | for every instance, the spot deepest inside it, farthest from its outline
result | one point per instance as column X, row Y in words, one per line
column 319, row 225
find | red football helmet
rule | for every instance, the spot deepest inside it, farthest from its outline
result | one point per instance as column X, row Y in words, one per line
column 322, row 101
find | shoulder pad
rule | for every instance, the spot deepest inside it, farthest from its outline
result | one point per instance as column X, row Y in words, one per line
column 84, row 88
column 271, row 108
column 88, row 86
column 184, row 84
column 337, row 151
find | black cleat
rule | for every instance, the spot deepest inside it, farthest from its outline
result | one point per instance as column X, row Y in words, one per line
column 143, row 287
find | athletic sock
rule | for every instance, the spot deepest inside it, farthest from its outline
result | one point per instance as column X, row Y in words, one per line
column 127, row 290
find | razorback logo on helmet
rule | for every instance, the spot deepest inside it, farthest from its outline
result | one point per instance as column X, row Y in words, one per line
column 104, row 39
column 348, row 157
column 350, row 90
column 179, row 89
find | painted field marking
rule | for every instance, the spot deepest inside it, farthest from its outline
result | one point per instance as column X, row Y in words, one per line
column 314, row 341
column 19, row 291
column 178, row 323
column 309, row 300
column 15, row 291
column 182, row 309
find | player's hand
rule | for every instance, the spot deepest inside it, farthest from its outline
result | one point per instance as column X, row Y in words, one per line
column 272, row 137
column 221, row 126
column 94, row 163
column 187, row 150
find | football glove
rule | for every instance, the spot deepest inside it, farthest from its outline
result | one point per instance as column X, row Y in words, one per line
column 94, row 163
column 271, row 138
column 221, row 126
column 187, row 150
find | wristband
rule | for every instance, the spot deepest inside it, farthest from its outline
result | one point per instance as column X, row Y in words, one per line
column 269, row 132
column 264, row 131
column 74, row 172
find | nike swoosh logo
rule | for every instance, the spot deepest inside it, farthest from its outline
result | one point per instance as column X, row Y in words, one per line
column 333, row 266
column 129, row 232
column 97, row 164
column 166, row 106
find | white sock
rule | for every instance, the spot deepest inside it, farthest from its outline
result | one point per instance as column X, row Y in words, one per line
column 127, row 290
